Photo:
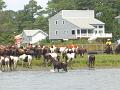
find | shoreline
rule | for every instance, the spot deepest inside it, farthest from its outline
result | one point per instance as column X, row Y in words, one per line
column 38, row 68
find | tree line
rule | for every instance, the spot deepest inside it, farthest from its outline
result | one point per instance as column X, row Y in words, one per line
column 33, row 16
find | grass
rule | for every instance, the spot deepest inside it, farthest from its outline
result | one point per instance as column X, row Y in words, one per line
column 102, row 61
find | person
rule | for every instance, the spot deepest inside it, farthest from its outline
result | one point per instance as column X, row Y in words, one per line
column 108, row 42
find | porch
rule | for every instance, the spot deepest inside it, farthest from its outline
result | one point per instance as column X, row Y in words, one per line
column 90, row 33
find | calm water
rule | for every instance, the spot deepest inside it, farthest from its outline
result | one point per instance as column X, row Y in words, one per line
column 99, row 79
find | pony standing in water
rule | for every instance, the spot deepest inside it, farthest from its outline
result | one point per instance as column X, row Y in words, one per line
column 58, row 65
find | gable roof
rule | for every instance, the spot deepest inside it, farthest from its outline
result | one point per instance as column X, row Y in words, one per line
column 84, row 22
column 33, row 32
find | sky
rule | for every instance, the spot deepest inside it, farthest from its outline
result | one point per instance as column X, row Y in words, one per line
column 19, row 4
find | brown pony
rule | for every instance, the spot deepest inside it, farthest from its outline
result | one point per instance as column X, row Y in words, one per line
column 117, row 49
column 81, row 51
column 91, row 61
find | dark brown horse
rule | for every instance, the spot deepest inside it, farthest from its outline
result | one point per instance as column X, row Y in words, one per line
column 81, row 51
column 117, row 49
column 58, row 65
column 91, row 61
column 37, row 52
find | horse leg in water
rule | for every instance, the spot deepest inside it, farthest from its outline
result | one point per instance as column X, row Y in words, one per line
column 56, row 67
column 64, row 66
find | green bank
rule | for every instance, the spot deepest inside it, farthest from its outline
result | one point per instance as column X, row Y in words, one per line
column 102, row 61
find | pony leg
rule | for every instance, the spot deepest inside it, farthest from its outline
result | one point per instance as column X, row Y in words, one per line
column 3, row 68
column 29, row 64
column 57, row 69
column 65, row 69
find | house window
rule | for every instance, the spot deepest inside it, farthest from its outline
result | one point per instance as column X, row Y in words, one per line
column 29, row 38
column 90, row 31
column 100, row 26
column 63, row 22
column 56, row 22
column 83, row 31
column 73, row 32
column 78, row 31
column 56, row 32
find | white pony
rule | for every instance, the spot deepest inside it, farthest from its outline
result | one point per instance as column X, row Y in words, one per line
column 70, row 56
column 1, row 63
column 7, row 61
column 26, row 58
column 52, row 49
column 62, row 49
column 54, row 55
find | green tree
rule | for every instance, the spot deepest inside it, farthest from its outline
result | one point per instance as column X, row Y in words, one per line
column 31, row 10
column 54, row 6
column 25, row 18
column 41, row 22
column 105, row 10
column 2, row 5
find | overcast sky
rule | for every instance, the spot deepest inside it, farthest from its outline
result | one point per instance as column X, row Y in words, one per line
column 19, row 4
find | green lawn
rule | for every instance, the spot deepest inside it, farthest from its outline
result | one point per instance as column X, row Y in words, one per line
column 102, row 61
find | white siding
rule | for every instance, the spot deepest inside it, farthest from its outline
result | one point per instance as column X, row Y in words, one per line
column 65, row 24
column 64, row 30
column 38, row 37
column 25, row 38
column 33, row 39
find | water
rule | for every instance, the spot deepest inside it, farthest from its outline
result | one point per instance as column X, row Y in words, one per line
column 98, row 79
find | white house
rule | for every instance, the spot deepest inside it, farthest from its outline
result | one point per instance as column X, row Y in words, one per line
column 33, row 36
column 73, row 24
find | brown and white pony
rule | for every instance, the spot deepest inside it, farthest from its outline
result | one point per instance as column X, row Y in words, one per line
column 26, row 59
column 6, row 63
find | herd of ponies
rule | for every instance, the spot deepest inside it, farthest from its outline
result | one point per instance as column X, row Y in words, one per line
column 59, row 57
